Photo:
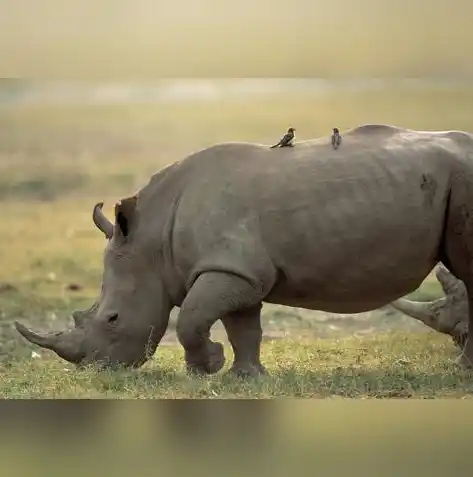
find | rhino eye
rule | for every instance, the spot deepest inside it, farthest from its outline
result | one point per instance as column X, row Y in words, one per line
column 112, row 319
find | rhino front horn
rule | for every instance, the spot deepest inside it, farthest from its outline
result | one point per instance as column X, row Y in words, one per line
column 67, row 344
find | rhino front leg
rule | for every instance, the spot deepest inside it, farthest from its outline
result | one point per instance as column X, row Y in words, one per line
column 213, row 296
column 245, row 334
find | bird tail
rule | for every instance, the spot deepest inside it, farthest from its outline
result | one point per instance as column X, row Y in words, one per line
column 275, row 145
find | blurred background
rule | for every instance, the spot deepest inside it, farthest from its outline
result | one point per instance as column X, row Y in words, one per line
column 97, row 96
column 207, row 38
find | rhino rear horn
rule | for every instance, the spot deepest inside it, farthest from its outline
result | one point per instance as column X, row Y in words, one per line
column 81, row 317
column 101, row 222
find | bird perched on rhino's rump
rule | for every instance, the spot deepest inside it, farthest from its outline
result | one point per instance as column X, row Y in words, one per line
column 345, row 233
column 336, row 138
column 287, row 140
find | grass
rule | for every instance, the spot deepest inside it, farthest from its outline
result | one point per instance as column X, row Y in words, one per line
column 391, row 366
column 57, row 162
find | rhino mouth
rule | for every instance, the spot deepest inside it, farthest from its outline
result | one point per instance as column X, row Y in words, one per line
column 107, row 363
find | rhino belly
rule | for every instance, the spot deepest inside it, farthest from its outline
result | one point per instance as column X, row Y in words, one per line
column 355, row 258
column 351, row 286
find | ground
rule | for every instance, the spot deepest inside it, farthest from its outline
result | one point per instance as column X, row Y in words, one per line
column 57, row 161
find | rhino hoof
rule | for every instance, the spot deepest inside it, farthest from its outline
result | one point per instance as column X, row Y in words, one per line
column 214, row 362
column 216, row 358
column 246, row 371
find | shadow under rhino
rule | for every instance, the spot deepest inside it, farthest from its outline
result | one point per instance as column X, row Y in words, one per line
column 237, row 224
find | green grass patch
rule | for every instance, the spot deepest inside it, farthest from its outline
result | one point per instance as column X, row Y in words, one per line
column 397, row 365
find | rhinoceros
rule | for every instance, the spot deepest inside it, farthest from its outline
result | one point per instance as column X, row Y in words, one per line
column 448, row 314
column 238, row 224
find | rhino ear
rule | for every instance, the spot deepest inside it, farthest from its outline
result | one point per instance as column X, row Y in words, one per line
column 124, row 215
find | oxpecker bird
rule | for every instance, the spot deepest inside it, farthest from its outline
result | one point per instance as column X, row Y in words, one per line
column 336, row 138
column 287, row 140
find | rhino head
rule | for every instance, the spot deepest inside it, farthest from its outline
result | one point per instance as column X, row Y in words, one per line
column 448, row 314
column 127, row 322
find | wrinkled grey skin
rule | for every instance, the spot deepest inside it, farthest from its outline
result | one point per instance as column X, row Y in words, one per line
column 237, row 224
column 448, row 315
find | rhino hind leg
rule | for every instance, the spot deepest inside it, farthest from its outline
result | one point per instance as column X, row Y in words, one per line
column 213, row 296
column 245, row 334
